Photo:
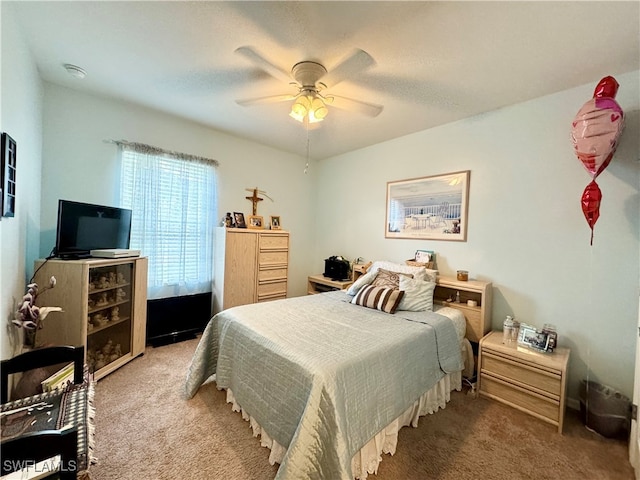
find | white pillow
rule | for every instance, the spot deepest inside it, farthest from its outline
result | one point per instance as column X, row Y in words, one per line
column 417, row 272
column 418, row 294
column 431, row 275
column 362, row 280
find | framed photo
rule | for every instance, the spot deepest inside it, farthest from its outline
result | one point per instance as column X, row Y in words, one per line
column 8, row 176
column 238, row 217
column 275, row 222
column 428, row 208
column 424, row 256
column 529, row 336
column 255, row 221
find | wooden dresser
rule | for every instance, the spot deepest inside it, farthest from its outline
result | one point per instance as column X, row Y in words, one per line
column 249, row 266
column 533, row 382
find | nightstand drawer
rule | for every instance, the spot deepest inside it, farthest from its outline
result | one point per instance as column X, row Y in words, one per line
column 520, row 398
column 521, row 373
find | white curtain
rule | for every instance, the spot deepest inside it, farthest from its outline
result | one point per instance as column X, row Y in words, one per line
column 174, row 206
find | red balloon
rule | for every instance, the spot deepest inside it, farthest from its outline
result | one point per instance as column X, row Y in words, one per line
column 591, row 198
column 597, row 126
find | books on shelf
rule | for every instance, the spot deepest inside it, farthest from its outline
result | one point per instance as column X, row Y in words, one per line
column 60, row 379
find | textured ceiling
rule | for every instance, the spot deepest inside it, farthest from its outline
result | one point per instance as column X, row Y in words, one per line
column 435, row 62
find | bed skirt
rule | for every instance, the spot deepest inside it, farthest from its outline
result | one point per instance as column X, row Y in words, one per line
column 366, row 460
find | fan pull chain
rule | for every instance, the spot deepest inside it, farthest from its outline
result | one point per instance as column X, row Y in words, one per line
column 306, row 167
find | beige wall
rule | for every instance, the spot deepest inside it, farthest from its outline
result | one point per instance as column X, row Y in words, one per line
column 79, row 165
column 526, row 230
column 21, row 118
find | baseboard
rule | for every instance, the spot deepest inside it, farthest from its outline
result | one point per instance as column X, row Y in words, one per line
column 573, row 403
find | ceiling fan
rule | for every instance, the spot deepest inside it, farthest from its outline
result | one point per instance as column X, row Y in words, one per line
column 311, row 79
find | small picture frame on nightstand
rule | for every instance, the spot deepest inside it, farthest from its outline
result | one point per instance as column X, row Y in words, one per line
column 530, row 337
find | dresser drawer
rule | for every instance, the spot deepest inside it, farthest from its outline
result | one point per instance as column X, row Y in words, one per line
column 521, row 373
column 272, row 289
column 518, row 397
column 272, row 274
column 274, row 242
column 272, row 297
column 273, row 258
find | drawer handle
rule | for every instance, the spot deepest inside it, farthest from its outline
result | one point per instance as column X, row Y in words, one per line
column 530, row 390
column 272, row 280
column 522, row 365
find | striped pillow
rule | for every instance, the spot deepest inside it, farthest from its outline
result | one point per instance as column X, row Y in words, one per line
column 380, row 298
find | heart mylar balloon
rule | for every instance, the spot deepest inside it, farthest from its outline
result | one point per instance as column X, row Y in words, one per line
column 597, row 127
column 591, row 198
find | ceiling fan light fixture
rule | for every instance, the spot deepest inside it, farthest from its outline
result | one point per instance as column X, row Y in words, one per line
column 318, row 109
column 309, row 107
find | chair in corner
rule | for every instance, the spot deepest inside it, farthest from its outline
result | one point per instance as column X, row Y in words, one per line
column 24, row 451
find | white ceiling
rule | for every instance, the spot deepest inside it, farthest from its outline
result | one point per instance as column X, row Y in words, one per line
column 436, row 62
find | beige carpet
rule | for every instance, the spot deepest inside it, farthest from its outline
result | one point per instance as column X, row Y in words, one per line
column 146, row 430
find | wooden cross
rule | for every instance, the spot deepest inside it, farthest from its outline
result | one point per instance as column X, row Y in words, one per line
column 255, row 198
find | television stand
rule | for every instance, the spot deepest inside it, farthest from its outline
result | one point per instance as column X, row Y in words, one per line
column 73, row 256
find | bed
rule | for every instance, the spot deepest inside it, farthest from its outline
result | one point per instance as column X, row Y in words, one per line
column 327, row 382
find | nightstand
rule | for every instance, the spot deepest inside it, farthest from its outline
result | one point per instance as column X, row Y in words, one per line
column 320, row 283
column 359, row 269
column 530, row 381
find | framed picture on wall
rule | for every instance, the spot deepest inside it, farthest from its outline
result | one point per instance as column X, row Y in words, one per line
column 8, row 176
column 428, row 208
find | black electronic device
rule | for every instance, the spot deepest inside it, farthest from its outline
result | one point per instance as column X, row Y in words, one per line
column 336, row 268
column 83, row 227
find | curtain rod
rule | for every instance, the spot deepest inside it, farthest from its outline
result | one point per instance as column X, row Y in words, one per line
column 151, row 150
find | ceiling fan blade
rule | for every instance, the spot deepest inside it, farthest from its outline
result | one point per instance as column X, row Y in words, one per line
column 258, row 60
column 265, row 100
column 357, row 62
column 364, row 108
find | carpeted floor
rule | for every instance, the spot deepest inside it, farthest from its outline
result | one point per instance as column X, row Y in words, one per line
column 145, row 429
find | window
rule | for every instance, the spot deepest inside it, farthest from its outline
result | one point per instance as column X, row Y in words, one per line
column 173, row 201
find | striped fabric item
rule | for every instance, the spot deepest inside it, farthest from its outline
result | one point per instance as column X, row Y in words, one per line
column 380, row 298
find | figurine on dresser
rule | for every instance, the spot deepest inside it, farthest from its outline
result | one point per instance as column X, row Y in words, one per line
column 102, row 300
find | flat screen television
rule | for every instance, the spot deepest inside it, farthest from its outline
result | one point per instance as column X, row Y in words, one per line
column 83, row 227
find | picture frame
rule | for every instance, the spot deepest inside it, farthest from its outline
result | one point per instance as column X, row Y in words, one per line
column 238, row 217
column 8, row 176
column 256, row 222
column 428, row 208
column 275, row 222
column 424, row 256
column 531, row 337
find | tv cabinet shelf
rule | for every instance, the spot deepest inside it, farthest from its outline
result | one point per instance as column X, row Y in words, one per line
column 104, row 303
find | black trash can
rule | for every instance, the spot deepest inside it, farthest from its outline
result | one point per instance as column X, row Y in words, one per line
column 604, row 410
